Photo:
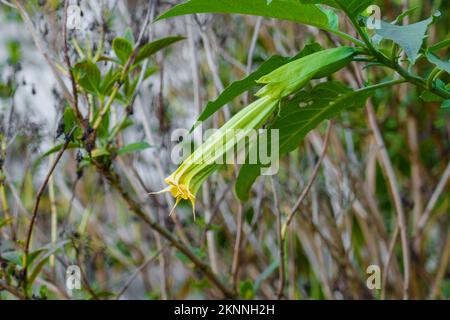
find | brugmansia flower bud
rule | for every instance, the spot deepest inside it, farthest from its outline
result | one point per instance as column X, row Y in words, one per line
column 284, row 81
column 187, row 179
column 293, row 76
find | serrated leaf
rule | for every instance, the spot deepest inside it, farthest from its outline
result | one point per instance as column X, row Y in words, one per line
column 298, row 117
column 122, row 48
column 410, row 38
column 151, row 48
column 291, row 10
column 133, row 147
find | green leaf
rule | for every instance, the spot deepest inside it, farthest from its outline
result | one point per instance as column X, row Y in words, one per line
column 410, row 38
column 69, row 119
column 298, row 117
column 89, row 76
column 291, row 10
column 71, row 145
column 99, row 152
column 440, row 45
column 122, row 48
column 404, row 14
column 108, row 81
column 352, row 7
column 246, row 290
column 333, row 18
column 133, row 147
column 441, row 64
column 428, row 96
column 238, row 87
column 49, row 251
column 151, row 48
column 6, row 90
column 445, row 104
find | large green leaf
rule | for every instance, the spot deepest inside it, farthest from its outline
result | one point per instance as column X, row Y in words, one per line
column 352, row 7
column 291, row 10
column 238, row 87
column 298, row 117
column 410, row 38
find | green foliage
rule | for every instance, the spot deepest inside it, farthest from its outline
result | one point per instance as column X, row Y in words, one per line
column 298, row 117
column 133, row 147
column 151, row 48
column 295, row 75
column 291, row 10
column 409, row 38
column 298, row 94
column 14, row 52
column 440, row 64
column 122, row 48
column 351, row 7
column 440, row 45
column 88, row 76
column 238, row 87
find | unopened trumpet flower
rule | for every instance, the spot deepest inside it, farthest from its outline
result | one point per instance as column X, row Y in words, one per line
column 280, row 83
column 187, row 179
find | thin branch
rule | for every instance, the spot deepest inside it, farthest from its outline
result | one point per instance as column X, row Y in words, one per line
column 41, row 48
column 443, row 264
column 113, row 179
column 283, row 229
column 388, row 261
column 237, row 246
column 136, row 272
column 388, row 169
column 282, row 267
column 36, row 205
column 11, row 289
column 6, row 3
column 310, row 183
column 433, row 200
column 251, row 51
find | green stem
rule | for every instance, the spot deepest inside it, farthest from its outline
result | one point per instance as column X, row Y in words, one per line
column 432, row 77
column 346, row 36
column 382, row 85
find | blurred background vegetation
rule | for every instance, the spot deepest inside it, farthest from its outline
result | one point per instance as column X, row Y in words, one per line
column 345, row 224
